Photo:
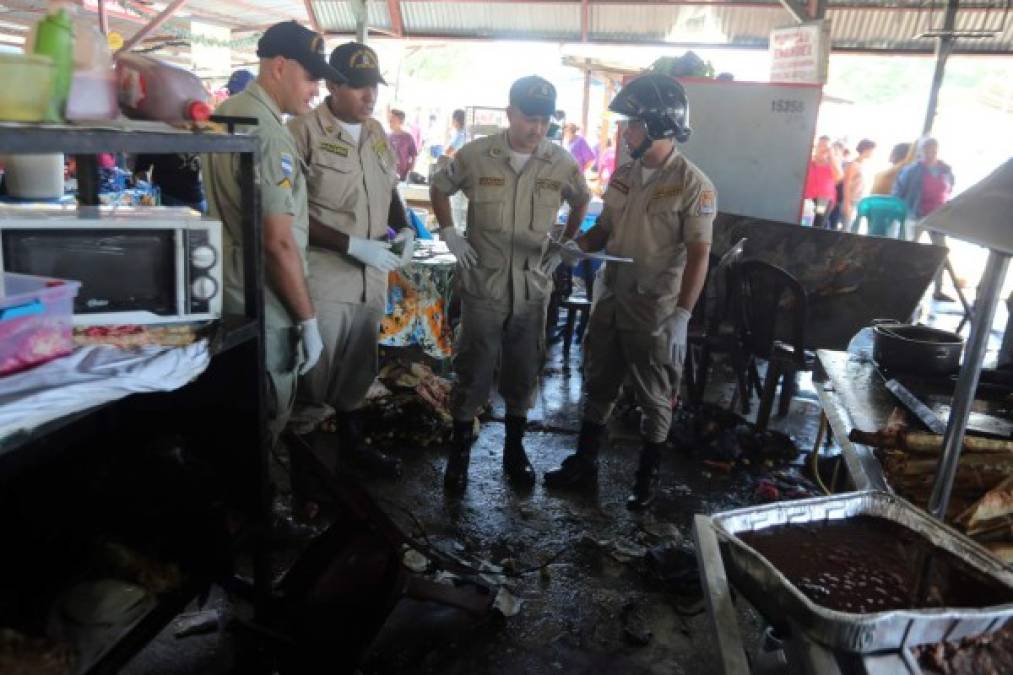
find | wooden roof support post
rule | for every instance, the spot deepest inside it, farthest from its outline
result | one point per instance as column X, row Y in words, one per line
column 396, row 22
column 152, row 26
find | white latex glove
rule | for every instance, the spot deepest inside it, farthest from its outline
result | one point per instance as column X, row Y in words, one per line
column 459, row 246
column 312, row 344
column 373, row 253
column 678, row 326
column 570, row 252
column 407, row 235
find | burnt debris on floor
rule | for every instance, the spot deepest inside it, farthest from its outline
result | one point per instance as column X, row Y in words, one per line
column 579, row 583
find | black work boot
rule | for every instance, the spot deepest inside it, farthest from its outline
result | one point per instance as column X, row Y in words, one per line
column 456, row 477
column 645, row 487
column 515, row 461
column 353, row 452
column 580, row 468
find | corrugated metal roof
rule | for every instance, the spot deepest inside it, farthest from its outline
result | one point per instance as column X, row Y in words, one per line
column 559, row 21
column 338, row 17
column 870, row 26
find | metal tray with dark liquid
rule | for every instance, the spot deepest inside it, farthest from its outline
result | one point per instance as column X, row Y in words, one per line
column 868, row 630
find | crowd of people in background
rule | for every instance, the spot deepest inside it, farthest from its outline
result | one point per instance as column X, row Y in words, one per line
column 915, row 184
column 418, row 148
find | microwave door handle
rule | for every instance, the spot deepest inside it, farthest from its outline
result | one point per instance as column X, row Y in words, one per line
column 182, row 273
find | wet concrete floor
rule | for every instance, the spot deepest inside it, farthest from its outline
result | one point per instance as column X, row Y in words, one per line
column 595, row 605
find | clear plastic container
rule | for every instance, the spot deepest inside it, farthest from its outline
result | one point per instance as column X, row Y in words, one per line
column 34, row 176
column 154, row 90
column 36, row 320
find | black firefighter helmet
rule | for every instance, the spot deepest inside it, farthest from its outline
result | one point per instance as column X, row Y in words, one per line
column 660, row 102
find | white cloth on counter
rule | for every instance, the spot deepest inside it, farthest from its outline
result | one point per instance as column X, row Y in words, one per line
column 92, row 376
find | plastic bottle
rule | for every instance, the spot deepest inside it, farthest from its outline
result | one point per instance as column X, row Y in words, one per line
column 54, row 37
column 154, row 90
column 93, row 88
column 808, row 212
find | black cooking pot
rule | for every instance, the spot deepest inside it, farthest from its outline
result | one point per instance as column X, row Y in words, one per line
column 921, row 350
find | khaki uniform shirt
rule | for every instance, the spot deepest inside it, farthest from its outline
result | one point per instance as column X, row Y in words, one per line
column 652, row 223
column 510, row 215
column 350, row 188
column 282, row 192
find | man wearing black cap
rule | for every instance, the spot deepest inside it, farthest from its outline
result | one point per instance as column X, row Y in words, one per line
column 291, row 65
column 515, row 182
column 352, row 200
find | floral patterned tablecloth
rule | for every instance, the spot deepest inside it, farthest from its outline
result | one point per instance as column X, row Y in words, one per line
column 417, row 299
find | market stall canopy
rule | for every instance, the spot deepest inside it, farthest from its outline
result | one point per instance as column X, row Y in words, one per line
column 868, row 25
column 982, row 214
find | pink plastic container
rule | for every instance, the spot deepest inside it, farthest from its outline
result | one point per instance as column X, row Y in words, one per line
column 35, row 320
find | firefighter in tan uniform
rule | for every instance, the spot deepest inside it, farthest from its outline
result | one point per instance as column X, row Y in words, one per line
column 515, row 182
column 659, row 211
column 291, row 65
column 352, row 178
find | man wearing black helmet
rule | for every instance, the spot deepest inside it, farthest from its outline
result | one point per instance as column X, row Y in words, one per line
column 515, row 182
column 659, row 210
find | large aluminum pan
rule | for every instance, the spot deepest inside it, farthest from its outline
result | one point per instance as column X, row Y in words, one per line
column 772, row 593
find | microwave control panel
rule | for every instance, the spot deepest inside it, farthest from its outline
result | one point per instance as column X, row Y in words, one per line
column 202, row 257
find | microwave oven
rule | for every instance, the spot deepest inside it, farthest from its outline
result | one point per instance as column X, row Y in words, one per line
column 136, row 266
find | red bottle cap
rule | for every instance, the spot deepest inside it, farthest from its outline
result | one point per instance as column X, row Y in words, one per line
column 198, row 111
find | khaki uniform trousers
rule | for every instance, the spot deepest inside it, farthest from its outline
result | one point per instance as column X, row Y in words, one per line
column 641, row 360
column 493, row 337
column 283, row 356
column 349, row 364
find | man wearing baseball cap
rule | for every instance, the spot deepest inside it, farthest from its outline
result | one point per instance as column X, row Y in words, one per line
column 515, row 182
column 352, row 201
column 291, row 65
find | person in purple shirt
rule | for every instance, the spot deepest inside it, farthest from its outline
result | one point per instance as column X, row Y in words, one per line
column 578, row 147
column 402, row 143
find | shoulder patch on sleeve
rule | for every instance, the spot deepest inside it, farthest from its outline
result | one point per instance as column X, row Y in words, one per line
column 706, row 204
column 285, row 183
column 287, row 165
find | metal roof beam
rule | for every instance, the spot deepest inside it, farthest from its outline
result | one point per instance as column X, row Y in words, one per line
column 796, row 9
column 311, row 14
column 152, row 26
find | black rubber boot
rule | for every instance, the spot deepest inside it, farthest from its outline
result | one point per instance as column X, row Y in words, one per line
column 356, row 454
column 581, row 468
column 515, row 461
column 455, row 480
column 645, row 487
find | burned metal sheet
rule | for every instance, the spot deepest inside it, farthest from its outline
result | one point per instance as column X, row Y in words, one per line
column 850, row 279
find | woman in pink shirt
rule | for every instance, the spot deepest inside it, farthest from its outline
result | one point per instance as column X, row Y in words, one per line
column 821, row 180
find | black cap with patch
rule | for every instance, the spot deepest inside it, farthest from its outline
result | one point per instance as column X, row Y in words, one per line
column 358, row 64
column 534, row 96
column 296, row 42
